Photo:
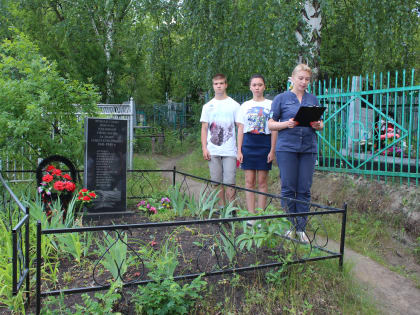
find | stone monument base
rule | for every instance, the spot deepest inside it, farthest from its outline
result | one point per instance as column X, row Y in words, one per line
column 93, row 216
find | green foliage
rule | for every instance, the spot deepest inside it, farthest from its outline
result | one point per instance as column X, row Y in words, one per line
column 227, row 241
column 264, row 232
column 368, row 36
column 168, row 297
column 14, row 303
column 114, row 255
column 37, row 111
column 154, row 50
column 207, row 201
column 167, row 142
column 217, row 38
column 164, row 295
column 103, row 303
column 178, row 199
column 193, row 164
column 152, row 183
column 416, row 249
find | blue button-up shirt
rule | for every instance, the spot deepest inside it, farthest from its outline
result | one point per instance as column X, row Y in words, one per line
column 297, row 139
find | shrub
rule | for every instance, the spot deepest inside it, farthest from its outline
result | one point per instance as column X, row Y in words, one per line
column 37, row 110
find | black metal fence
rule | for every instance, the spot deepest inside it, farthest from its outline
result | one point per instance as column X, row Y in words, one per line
column 17, row 216
column 216, row 243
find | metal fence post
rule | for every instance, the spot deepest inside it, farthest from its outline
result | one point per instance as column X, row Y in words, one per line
column 131, row 124
column 174, row 176
column 27, row 259
column 14, row 262
column 38, row 267
column 343, row 236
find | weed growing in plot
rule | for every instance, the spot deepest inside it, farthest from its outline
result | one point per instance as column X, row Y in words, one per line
column 103, row 303
column 164, row 295
column 113, row 255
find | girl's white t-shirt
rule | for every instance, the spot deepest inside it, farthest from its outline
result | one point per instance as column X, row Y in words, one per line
column 254, row 116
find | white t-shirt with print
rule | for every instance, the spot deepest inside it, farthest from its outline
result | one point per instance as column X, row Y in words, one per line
column 254, row 116
column 221, row 135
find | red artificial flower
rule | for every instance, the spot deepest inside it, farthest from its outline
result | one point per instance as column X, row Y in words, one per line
column 83, row 190
column 56, row 171
column 47, row 178
column 50, row 168
column 92, row 194
column 86, row 198
column 80, row 197
column 67, row 176
column 389, row 135
column 153, row 243
column 70, row 186
column 59, row 185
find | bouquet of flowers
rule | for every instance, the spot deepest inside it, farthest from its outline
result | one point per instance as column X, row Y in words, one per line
column 54, row 181
column 389, row 133
column 151, row 205
column 85, row 197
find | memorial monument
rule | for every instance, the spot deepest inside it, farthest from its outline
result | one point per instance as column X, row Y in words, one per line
column 106, row 164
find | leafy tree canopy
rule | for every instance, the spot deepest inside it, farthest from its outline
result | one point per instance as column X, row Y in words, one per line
column 37, row 110
column 158, row 49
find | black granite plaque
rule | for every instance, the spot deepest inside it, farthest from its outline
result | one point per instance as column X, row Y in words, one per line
column 106, row 163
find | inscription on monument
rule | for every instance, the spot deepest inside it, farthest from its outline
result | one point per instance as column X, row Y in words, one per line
column 106, row 163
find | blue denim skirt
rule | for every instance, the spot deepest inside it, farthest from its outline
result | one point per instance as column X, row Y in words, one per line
column 255, row 149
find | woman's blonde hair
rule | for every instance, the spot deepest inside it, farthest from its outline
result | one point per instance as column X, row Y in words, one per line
column 302, row 67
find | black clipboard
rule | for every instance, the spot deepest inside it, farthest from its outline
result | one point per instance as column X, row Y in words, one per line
column 306, row 114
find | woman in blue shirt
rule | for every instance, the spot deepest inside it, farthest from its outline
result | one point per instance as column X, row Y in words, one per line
column 296, row 147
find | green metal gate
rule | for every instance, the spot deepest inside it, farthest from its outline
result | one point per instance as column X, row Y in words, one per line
column 372, row 126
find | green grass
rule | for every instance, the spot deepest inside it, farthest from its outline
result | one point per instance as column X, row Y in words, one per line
column 370, row 235
column 318, row 288
column 194, row 163
column 146, row 183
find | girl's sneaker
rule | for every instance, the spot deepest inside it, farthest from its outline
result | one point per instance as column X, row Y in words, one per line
column 289, row 234
column 303, row 237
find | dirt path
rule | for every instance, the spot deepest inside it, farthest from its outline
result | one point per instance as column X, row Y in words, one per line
column 393, row 293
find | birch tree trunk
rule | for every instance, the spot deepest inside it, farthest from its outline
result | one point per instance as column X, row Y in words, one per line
column 106, row 20
column 309, row 34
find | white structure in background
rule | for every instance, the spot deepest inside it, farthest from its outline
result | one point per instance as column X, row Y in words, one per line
column 311, row 17
column 126, row 111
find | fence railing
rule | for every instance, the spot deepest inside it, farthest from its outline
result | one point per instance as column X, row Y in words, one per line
column 372, row 126
column 17, row 216
column 208, row 245
column 173, row 115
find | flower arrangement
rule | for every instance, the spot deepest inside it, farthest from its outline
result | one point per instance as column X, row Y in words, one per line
column 388, row 135
column 86, row 196
column 151, row 205
column 56, row 184
column 55, row 181
column 165, row 202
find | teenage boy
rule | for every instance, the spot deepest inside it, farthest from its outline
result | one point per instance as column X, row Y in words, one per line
column 218, row 139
